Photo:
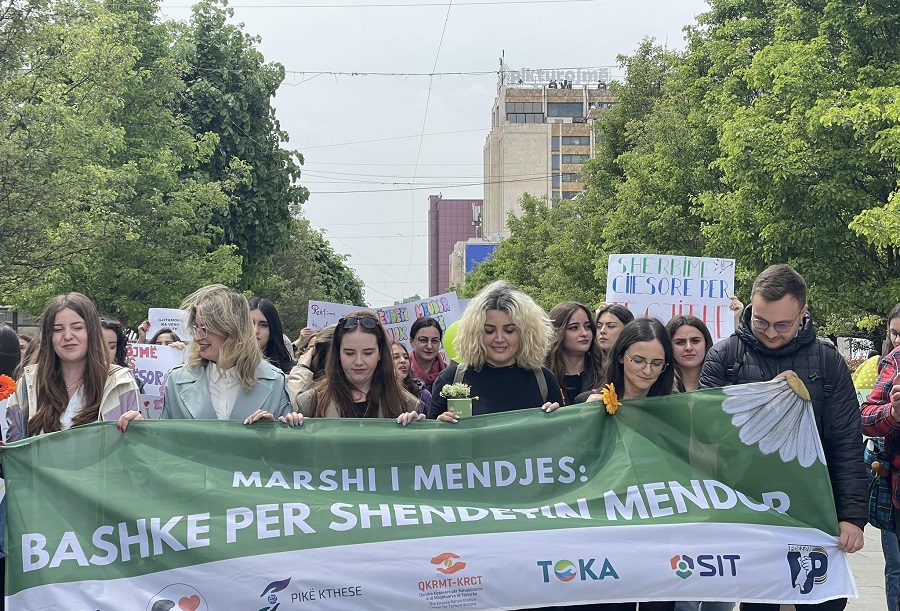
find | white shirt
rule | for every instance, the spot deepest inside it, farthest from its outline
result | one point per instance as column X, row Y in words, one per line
column 72, row 409
column 223, row 389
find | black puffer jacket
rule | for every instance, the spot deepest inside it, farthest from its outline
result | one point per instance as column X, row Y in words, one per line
column 834, row 400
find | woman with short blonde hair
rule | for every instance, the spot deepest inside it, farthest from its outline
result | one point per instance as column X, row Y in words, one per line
column 501, row 341
column 530, row 319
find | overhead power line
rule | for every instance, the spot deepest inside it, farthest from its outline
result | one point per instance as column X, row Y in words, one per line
column 462, row 131
column 391, row 4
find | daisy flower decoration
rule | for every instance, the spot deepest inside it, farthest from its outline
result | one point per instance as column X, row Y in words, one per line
column 610, row 399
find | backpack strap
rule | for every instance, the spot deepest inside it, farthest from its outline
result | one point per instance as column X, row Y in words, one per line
column 822, row 377
column 460, row 372
column 542, row 383
column 734, row 358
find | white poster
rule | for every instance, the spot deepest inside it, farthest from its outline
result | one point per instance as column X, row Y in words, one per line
column 664, row 286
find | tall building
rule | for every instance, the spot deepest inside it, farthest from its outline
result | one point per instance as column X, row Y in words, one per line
column 449, row 221
column 540, row 135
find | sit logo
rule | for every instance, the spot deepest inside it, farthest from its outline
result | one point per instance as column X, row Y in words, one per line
column 809, row 566
column 585, row 570
column 706, row 565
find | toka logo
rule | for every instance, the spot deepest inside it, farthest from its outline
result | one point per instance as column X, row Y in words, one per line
column 585, row 570
column 706, row 565
column 809, row 566
column 447, row 564
column 272, row 599
column 682, row 565
column 178, row 597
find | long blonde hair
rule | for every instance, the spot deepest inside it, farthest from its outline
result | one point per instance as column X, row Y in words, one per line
column 530, row 319
column 225, row 312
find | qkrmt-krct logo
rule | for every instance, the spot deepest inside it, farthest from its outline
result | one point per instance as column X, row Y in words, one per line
column 705, row 565
column 809, row 566
column 590, row 569
column 453, row 589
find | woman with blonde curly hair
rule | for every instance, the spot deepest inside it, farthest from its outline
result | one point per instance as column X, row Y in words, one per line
column 502, row 338
column 225, row 376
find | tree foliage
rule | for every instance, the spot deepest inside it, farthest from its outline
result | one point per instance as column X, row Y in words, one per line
column 773, row 137
column 117, row 177
column 309, row 269
column 229, row 90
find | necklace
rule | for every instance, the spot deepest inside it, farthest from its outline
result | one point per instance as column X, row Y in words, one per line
column 73, row 384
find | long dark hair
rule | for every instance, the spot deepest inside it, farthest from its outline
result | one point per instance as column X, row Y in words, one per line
column 692, row 321
column 641, row 330
column 408, row 382
column 385, row 395
column 559, row 317
column 52, row 397
column 121, row 345
column 275, row 352
column 10, row 351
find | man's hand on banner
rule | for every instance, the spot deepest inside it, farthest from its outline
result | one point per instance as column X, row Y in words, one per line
column 851, row 537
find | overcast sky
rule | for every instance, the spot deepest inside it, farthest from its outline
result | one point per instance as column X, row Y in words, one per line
column 367, row 165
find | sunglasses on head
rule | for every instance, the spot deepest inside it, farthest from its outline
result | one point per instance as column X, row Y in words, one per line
column 350, row 322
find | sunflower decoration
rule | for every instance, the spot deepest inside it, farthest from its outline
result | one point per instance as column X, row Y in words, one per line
column 7, row 387
column 610, row 399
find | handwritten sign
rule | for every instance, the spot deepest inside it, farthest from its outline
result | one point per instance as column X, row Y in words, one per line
column 151, row 365
column 397, row 319
column 168, row 318
column 664, row 286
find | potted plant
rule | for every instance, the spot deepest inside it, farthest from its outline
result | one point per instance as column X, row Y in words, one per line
column 458, row 399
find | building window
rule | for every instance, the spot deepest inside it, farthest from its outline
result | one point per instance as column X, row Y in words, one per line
column 565, row 109
column 571, row 177
column 554, row 181
column 576, row 140
column 575, row 158
column 554, row 162
column 554, row 143
column 525, row 118
column 570, row 194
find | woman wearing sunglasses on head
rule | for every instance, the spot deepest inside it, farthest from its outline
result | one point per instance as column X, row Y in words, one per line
column 425, row 361
column 502, row 339
column 225, row 377
column 360, row 381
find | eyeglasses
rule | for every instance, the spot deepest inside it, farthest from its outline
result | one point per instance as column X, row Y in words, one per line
column 200, row 332
column 641, row 363
column 781, row 327
column 434, row 341
column 350, row 322
column 894, row 334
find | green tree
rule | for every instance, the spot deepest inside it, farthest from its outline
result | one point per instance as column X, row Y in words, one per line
column 309, row 269
column 229, row 89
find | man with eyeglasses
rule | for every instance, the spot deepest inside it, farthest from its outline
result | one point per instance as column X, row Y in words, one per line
column 776, row 335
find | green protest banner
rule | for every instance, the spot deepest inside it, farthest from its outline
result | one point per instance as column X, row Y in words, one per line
column 700, row 496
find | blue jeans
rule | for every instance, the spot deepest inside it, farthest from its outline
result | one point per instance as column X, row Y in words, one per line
column 891, row 550
column 703, row 606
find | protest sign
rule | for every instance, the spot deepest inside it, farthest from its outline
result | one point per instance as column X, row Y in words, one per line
column 660, row 501
column 397, row 319
column 664, row 286
column 151, row 365
column 168, row 318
